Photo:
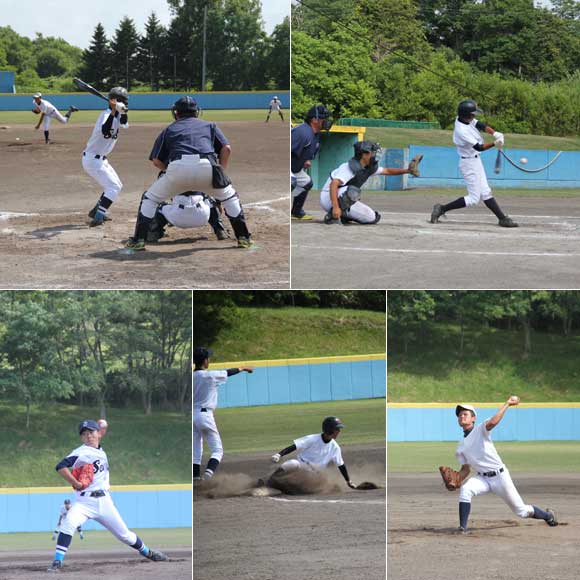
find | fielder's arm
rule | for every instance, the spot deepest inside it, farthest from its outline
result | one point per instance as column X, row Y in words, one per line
column 224, row 155
column 68, row 477
column 235, row 371
column 39, row 121
column 465, row 471
column 287, row 450
column 491, row 423
column 334, row 185
column 344, row 472
column 159, row 164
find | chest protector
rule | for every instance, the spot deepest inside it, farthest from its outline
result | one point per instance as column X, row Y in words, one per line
column 354, row 185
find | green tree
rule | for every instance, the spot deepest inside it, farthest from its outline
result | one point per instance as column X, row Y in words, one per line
column 124, row 47
column 407, row 313
column 150, row 52
column 97, row 60
column 277, row 70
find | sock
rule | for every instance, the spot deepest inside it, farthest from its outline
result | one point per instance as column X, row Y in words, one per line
column 46, row 135
column 540, row 514
column 464, row 509
column 298, row 203
column 140, row 547
column 196, row 470
column 492, row 204
column 62, row 545
column 457, row 204
column 104, row 203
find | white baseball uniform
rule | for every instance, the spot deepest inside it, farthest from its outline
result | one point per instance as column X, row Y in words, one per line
column 187, row 211
column 358, row 211
column 314, row 454
column 478, row 451
column 465, row 136
column 50, row 112
column 205, row 399
column 94, row 159
column 275, row 105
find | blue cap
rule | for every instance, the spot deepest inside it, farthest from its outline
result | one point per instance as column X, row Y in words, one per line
column 88, row 424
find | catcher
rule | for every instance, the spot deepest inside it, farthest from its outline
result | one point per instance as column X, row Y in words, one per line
column 477, row 451
column 341, row 195
column 90, row 478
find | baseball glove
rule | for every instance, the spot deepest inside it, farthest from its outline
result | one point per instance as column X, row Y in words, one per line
column 84, row 474
column 414, row 165
column 366, row 485
column 451, row 478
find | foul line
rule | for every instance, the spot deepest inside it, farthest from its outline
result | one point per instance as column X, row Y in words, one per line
column 443, row 252
column 472, row 218
column 266, row 202
column 374, row 502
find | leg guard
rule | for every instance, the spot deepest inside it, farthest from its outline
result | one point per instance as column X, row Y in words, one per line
column 216, row 223
column 239, row 225
column 157, row 227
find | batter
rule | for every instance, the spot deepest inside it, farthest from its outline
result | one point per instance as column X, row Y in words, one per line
column 314, row 453
column 305, row 143
column 477, row 451
column 275, row 105
column 100, row 144
column 94, row 501
column 470, row 145
column 47, row 112
column 61, row 516
column 191, row 154
column 205, row 400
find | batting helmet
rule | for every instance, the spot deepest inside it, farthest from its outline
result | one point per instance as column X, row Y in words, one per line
column 200, row 353
column 185, row 107
column 331, row 424
column 462, row 407
column 467, row 108
column 120, row 94
column 319, row 112
column 361, row 147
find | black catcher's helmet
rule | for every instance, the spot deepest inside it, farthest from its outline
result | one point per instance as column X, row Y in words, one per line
column 185, row 107
column 361, row 147
column 320, row 112
column 331, row 424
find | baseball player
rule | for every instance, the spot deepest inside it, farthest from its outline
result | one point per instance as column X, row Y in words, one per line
column 191, row 154
column 93, row 501
column 275, row 105
column 48, row 111
column 100, row 144
column 192, row 209
column 470, row 145
column 477, row 451
column 61, row 516
column 205, row 398
column 340, row 196
column 305, row 143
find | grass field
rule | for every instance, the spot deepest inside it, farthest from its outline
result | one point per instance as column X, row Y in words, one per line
column 273, row 427
column 95, row 540
column 445, row 194
column 528, row 456
column 271, row 333
column 163, row 116
column 141, row 449
column 491, row 368
column 390, row 137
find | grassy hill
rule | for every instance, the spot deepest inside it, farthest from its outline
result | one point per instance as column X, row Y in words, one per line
column 141, row 449
column 271, row 333
column 491, row 368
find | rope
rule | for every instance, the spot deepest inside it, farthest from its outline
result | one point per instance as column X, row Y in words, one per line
column 531, row 170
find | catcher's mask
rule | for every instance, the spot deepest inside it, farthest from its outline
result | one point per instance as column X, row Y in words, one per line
column 185, row 107
column 320, row 113
column 460, row 408
column 467, row 108
column 361, row 147
column 331, row 424
column 200, row 353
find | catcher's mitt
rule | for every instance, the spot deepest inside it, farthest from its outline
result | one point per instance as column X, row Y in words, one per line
column 414, row 165
column 451, row 478
column 84, row 474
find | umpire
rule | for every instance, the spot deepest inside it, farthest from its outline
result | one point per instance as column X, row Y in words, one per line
column 305, row 143
column 192, row 155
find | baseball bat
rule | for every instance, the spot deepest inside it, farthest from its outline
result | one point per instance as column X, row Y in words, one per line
column 498, row 161
column 90, row 89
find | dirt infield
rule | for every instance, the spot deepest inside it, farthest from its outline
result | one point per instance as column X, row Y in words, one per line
column 332, row 535
column 113, row 564
column 423, row 543
column 45, row 241
column 466, row 250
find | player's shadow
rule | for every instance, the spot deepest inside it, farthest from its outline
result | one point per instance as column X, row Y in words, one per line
column 150, row 255
column 53, row 231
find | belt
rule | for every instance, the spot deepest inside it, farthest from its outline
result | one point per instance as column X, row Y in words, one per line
column 98, row 493
column 96, row 156
column 203, row 410
column 491, row 473
column 474, row 157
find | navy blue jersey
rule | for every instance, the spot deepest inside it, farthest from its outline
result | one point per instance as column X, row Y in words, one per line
column 188, row 136
column 305, row 145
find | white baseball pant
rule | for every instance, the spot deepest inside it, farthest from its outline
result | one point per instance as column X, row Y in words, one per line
column 187, row 211
column 104, row 174
column 358, row 211
column 475, row 180
column 302, row 182
column 204, row 427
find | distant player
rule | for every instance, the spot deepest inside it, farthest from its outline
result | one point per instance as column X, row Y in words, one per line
column 314, row 453
column 275, row 105
column 93, row 501
column 476, row 451
column 47, row 112
column 61, row 516
column 205, row 400
column 470, row 146
column 100, row 144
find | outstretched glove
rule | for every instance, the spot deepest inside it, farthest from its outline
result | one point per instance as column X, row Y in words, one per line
column 414, row 165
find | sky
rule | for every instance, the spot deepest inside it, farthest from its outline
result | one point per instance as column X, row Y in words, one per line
column 75, row 20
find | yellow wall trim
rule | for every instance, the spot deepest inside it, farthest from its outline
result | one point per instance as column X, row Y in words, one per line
column 298, row 361
column 114, row 488
column 483, row 405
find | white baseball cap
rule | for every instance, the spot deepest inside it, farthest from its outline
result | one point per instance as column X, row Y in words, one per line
column 462, row 406
column 37, row 95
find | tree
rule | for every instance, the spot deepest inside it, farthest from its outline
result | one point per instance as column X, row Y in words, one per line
column 277, row 70
column 124, row 49
column 97, row 60
column 150, row 52
column 408, row 311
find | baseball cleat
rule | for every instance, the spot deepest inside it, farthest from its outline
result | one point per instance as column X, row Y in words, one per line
column 303, row 217
column 436, row 213
column 553, row 521
column 94, row 211
column 135, row 245
column 461, row 530
column 55, row 566
column 507, row 222
column 72, row 109
column 221, row 234
column 156, row 556
column 245, row 242
column 81, row 536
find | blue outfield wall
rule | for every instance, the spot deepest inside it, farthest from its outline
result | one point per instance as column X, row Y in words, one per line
column 440, row 168
column 532, row 422
column 278, row 382
column 140, row 506
column 150, row 101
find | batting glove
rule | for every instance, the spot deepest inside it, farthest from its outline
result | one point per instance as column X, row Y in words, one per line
column 352, row 485
column 276, row 457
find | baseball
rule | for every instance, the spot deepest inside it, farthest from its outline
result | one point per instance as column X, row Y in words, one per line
column 523, row 160
column 17, row 138
column 102, row 424
column 514, row 400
